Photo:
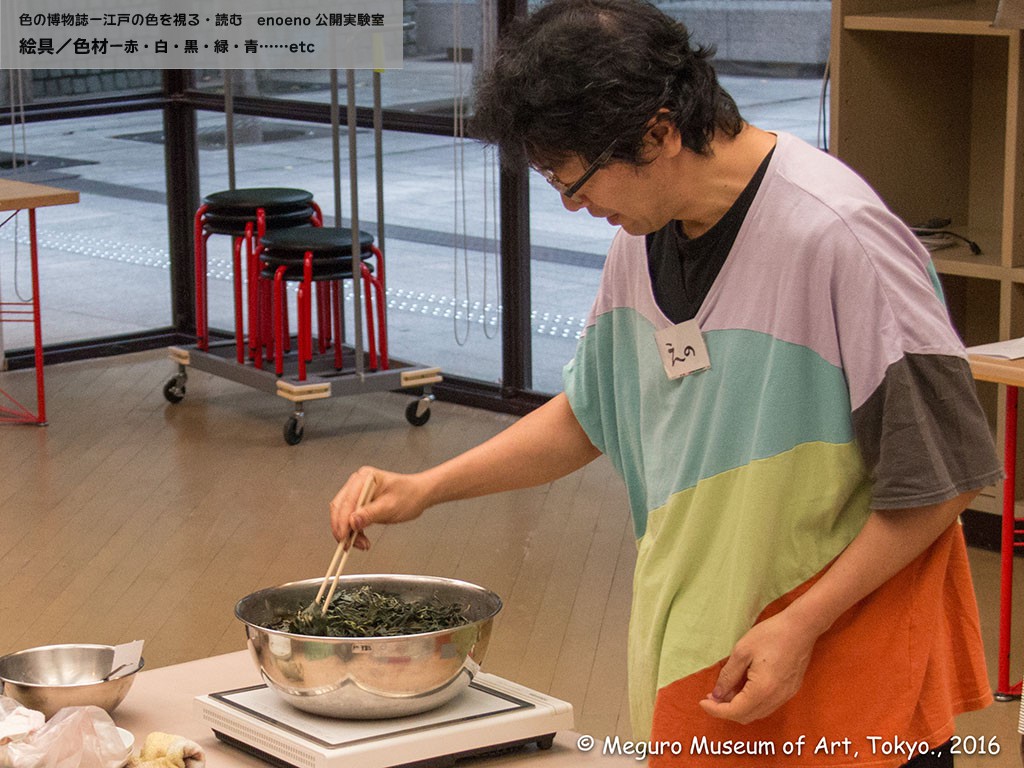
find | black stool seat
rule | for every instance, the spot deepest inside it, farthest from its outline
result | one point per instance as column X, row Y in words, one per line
column 270, row 199
column 235, row 224
column 322, row 241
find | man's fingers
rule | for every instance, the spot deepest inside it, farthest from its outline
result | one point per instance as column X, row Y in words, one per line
column 344, row 503
column 366, row 516
column 731, row 678
column 741, row 708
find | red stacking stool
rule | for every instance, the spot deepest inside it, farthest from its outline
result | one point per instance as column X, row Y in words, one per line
column 245, row 215
column 319, row 259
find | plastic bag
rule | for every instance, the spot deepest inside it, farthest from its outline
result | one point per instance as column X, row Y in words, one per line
column 75, row 737
column 16, row 721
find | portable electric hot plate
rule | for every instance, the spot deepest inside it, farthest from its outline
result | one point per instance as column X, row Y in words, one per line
column 492, row 716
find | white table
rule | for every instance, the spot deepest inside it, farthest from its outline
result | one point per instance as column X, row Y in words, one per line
column 161, row 700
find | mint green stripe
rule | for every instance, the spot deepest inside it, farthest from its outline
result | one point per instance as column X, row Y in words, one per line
column 933, row 275
column 761, row 397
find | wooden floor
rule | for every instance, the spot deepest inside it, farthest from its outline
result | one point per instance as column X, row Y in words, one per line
column 128, row 518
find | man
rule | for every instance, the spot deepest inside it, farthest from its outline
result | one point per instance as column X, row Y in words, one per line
column 770, row 366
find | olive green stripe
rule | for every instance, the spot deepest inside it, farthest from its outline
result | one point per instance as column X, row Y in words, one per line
column 700, row 584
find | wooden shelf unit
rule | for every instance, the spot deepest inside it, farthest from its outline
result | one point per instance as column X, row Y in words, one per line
column 928, row 106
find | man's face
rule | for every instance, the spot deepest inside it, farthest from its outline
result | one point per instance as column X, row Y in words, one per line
column 619, row 193
column 634, row 197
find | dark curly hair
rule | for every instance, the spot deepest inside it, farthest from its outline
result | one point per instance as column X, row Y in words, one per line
column 576, row 75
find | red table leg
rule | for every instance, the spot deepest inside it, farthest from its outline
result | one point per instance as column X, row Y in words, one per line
column 202, row 319
column 37, row 320
column 19, row 311
column 1005, row 691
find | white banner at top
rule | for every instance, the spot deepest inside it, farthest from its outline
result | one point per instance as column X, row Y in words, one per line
column 188, row 34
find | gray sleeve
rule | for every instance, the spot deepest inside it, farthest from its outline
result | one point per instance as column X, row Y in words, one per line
column 923, row 434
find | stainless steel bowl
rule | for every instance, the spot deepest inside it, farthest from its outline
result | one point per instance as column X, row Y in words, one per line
column 363, row 678
column 51, row 677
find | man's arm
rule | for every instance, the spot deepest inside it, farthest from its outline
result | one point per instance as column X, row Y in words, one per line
column 767, row 664
column 540, row 447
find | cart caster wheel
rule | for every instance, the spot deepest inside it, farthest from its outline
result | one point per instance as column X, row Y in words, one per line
column 413, row 415
column 293, row 431
column 174, row 392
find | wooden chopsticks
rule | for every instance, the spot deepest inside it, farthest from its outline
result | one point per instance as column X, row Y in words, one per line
column 344, row 548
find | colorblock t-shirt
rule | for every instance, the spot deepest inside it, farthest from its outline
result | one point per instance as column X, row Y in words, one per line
column 837, row 386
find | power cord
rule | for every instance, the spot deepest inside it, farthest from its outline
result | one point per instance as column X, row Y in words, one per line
column 934, row 235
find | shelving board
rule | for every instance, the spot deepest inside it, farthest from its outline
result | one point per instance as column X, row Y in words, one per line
column 952, row 18
column 968, row 266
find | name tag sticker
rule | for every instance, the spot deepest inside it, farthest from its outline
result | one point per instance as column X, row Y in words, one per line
column 682, row 349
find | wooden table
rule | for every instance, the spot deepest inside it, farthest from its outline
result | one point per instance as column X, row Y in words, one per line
column 1009, row 373
column 161, row 700
column 19, row 196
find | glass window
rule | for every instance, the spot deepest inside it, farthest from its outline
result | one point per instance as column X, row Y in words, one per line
column 104, row 261
column 789, row 104
column 567, row 252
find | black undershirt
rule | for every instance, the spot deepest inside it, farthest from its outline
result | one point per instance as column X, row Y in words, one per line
column 682, row 270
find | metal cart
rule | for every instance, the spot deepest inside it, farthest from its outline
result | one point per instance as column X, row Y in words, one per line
column 322, row 383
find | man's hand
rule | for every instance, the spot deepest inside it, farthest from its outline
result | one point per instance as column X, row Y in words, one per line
column 768, row 663
column 543, row 446
column 763, row 672
column 397, row 499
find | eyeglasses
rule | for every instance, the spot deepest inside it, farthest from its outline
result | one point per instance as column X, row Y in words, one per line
column 570, row 190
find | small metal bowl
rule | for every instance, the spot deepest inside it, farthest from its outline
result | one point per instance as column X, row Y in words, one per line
column 368, row 678
column 52, row 677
